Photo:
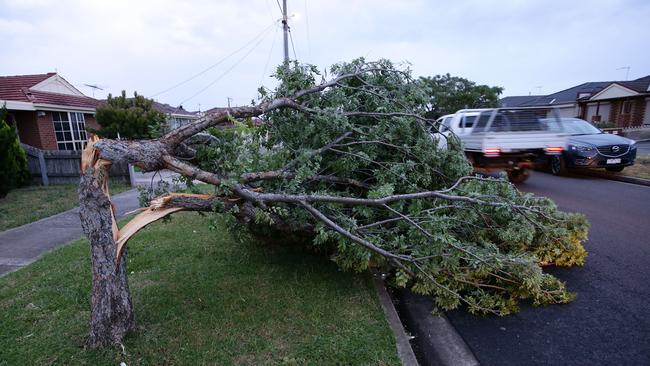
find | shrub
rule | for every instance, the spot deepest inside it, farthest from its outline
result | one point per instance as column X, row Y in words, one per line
column 13, row 161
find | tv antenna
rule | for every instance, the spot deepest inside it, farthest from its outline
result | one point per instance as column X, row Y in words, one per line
column 627, row 71
column 94, row 87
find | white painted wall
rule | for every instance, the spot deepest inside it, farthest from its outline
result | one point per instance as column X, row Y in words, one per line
column 568, row 112
column 591, row 111
column 614, row 91
column 603, row 111
column 57, row 84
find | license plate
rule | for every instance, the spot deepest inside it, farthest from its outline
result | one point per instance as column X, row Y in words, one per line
column 613, row 161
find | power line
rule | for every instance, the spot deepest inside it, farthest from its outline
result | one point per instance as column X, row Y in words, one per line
column 279, row 6
column 263, row 32
column 226, row 72
column 292, row 47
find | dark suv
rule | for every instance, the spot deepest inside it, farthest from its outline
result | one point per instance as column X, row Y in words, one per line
column 589, row 147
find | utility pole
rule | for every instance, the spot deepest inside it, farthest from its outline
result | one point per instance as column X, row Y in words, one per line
column 229, row 99
column 285, row 28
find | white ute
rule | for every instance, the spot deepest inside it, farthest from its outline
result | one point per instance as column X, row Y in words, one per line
column 504, row 139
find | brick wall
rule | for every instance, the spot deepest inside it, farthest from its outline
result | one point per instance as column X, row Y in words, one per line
column 638, row 112
column 39, row 131
column 46, row 132
column 27, row 127
column 91, row 122
column 634, row 118
column 615, row 112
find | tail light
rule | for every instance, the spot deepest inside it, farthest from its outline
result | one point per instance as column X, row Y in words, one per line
column 554, row 150
column 492, row 151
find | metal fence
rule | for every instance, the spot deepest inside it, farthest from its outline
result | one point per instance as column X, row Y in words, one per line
column 64, row 167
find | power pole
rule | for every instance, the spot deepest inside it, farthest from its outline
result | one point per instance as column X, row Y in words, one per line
column 229, row 99
column 285, row 28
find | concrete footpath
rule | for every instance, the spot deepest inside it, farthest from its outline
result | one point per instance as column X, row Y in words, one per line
column 23, row 245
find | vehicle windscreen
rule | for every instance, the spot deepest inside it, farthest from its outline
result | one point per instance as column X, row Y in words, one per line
column 579, row 127
column 445, row 124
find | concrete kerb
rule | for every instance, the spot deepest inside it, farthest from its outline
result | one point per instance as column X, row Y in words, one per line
column 437, row 340
column 404, row 349
column 620, row 178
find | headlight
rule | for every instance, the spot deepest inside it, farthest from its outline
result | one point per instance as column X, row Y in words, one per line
column 633, row 145
column 581, row 147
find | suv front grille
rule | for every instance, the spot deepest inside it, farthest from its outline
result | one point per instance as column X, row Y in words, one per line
column 613, row 150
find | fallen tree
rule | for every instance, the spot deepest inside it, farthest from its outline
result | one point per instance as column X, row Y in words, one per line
column 348, row 166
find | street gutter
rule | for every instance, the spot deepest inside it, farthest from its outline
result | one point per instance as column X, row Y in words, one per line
column 404, row 350
column 438, row 341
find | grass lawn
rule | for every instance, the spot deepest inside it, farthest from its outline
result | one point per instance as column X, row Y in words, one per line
column 200, row 297
column 640, row 169
column 24, row 205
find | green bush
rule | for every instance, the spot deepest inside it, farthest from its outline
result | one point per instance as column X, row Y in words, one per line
column 13, row 161
column 130, row 118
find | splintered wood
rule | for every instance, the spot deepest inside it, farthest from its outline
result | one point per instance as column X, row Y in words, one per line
column 159, row 207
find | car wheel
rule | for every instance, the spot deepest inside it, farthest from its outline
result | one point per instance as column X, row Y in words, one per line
column 615, row 169
column 518, row 175
column 558, row 166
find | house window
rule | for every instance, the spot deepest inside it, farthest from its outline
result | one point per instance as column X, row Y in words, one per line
column 70, row 129
column 627, row 107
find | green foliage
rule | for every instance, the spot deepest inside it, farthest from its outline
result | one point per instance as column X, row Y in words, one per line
column 13, row 161
column 483, row 256
column 446, row 94
column 131, row 118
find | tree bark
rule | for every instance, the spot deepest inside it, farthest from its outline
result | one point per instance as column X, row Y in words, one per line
column 111, row 315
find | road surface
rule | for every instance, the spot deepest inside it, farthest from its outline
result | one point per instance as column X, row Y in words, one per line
column 609, row 322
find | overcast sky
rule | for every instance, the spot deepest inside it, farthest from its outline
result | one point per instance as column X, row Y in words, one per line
column 522, row 45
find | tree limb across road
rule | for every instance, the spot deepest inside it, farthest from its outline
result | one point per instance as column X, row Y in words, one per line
column 349, row 166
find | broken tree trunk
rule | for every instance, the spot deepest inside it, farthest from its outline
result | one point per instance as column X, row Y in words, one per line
column 111, row 314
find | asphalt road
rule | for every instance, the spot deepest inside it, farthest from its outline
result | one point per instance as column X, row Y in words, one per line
column 609, row 322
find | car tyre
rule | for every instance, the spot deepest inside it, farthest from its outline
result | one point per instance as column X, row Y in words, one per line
column 615, row 169
column 557, row 165
column 518, row 175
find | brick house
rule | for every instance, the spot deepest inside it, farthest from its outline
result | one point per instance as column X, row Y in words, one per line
column 47, row 111
column 621, row 103
column 618, row 103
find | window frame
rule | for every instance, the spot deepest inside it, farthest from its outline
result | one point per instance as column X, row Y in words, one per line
column 626, row 107
column 70, row 133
